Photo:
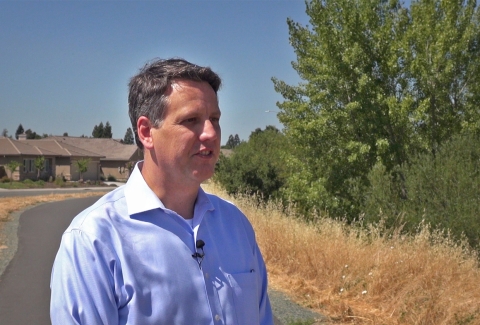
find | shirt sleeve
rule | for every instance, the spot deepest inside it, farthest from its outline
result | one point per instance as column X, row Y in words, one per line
column 82, row 282
column 266, row 316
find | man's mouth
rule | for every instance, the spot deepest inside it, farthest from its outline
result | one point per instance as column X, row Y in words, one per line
column 205, row 153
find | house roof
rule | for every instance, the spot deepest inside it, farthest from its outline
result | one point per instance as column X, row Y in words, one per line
column 11, row 147
column 61, row 149
column 110, row 149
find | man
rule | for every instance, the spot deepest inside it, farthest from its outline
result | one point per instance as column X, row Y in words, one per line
column 159, row 250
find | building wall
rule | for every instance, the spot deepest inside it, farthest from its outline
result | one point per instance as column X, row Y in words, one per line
column 116, row 169
column 62, row 167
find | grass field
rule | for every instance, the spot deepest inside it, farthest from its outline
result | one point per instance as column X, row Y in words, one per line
column 351, row 274
column 366, row 276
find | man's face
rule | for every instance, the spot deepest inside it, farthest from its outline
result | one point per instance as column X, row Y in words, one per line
column 187, row 142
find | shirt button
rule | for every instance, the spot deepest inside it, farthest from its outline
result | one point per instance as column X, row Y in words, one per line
column 217, row 317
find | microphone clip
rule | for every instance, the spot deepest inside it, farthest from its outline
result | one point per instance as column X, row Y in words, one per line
column 199, row 256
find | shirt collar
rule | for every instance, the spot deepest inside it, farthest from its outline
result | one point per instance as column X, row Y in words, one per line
column 140, row 198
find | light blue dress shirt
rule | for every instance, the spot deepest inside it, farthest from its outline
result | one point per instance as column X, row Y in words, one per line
column 128, row 260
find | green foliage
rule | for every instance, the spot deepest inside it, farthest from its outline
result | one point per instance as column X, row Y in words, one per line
column 441, row 190
column 82, row 165
column 111, row 178
column 101, row 131
column 60, row 180
column 380, row 84
column 129, row 138
column 39, row 165
column 12, row 167
column 32, row 135
column 19, row 131
column 255, row 166
column 233, row 142
column 5, row 179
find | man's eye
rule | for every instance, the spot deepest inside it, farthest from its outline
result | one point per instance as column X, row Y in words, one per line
column 190, row 120
column 215, row 119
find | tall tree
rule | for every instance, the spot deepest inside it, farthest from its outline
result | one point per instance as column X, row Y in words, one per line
column 366, row 95
column 5, row 133
column 233, row 141
column 107, row 131
column 98, row 131
column 128, row 138
column 19, row 131
column 443, row 56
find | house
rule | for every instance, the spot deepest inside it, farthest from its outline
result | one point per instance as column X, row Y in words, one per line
column 107, row 157
column 117, row 157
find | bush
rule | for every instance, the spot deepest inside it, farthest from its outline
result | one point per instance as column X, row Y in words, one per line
column 256, row 166
column 441, row 190
column 5, row 179
column 60, row 181
column 28, row 182
column 102, row 178
column 111, row 178
column 40, row 182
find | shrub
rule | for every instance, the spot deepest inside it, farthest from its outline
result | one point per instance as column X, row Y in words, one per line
column 60, row 180
column 41, row 182
column 28, row 182
column 111, row 178
column 5, row 179
column 441, row 190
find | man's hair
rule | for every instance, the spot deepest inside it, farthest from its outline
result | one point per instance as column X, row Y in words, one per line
column 147, row 89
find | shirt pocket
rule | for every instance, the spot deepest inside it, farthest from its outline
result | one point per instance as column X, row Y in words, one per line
column 245, row 297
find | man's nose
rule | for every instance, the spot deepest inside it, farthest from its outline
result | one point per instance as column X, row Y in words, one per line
column 210, row 131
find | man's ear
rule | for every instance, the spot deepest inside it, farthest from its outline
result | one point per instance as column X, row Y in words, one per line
column 144, row 130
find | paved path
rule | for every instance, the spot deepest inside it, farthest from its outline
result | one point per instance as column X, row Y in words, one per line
column 24, row 285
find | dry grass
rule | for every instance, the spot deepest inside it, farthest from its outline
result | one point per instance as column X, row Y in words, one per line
column 353, row 276
column 357, row 276
column 12, row 204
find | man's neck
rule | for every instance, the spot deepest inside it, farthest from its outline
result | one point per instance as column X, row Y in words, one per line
column 176, row 197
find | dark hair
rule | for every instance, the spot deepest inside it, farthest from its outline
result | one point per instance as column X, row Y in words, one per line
column 147, row 89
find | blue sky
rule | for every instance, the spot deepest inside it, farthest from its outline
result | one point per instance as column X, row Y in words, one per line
column 65, row 65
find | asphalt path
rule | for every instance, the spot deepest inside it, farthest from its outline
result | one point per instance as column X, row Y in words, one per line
column 25, row 283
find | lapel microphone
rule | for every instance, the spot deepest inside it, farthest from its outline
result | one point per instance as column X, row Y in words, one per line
column 199, row 256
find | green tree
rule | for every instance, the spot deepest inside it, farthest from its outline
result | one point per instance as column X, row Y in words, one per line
column 101, row 131
column 12, row 167
column 39, row 165
column 19, row 131
column 256, row 166
column 98, row 131
column 32, row 134
column 232, row 142
column 443, row 56
column 107, row 131
column 82, row 165
column 5, row 133
column 363, row 98
column 128, row 138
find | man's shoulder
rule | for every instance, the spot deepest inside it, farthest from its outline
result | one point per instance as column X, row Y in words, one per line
column 102, row 213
